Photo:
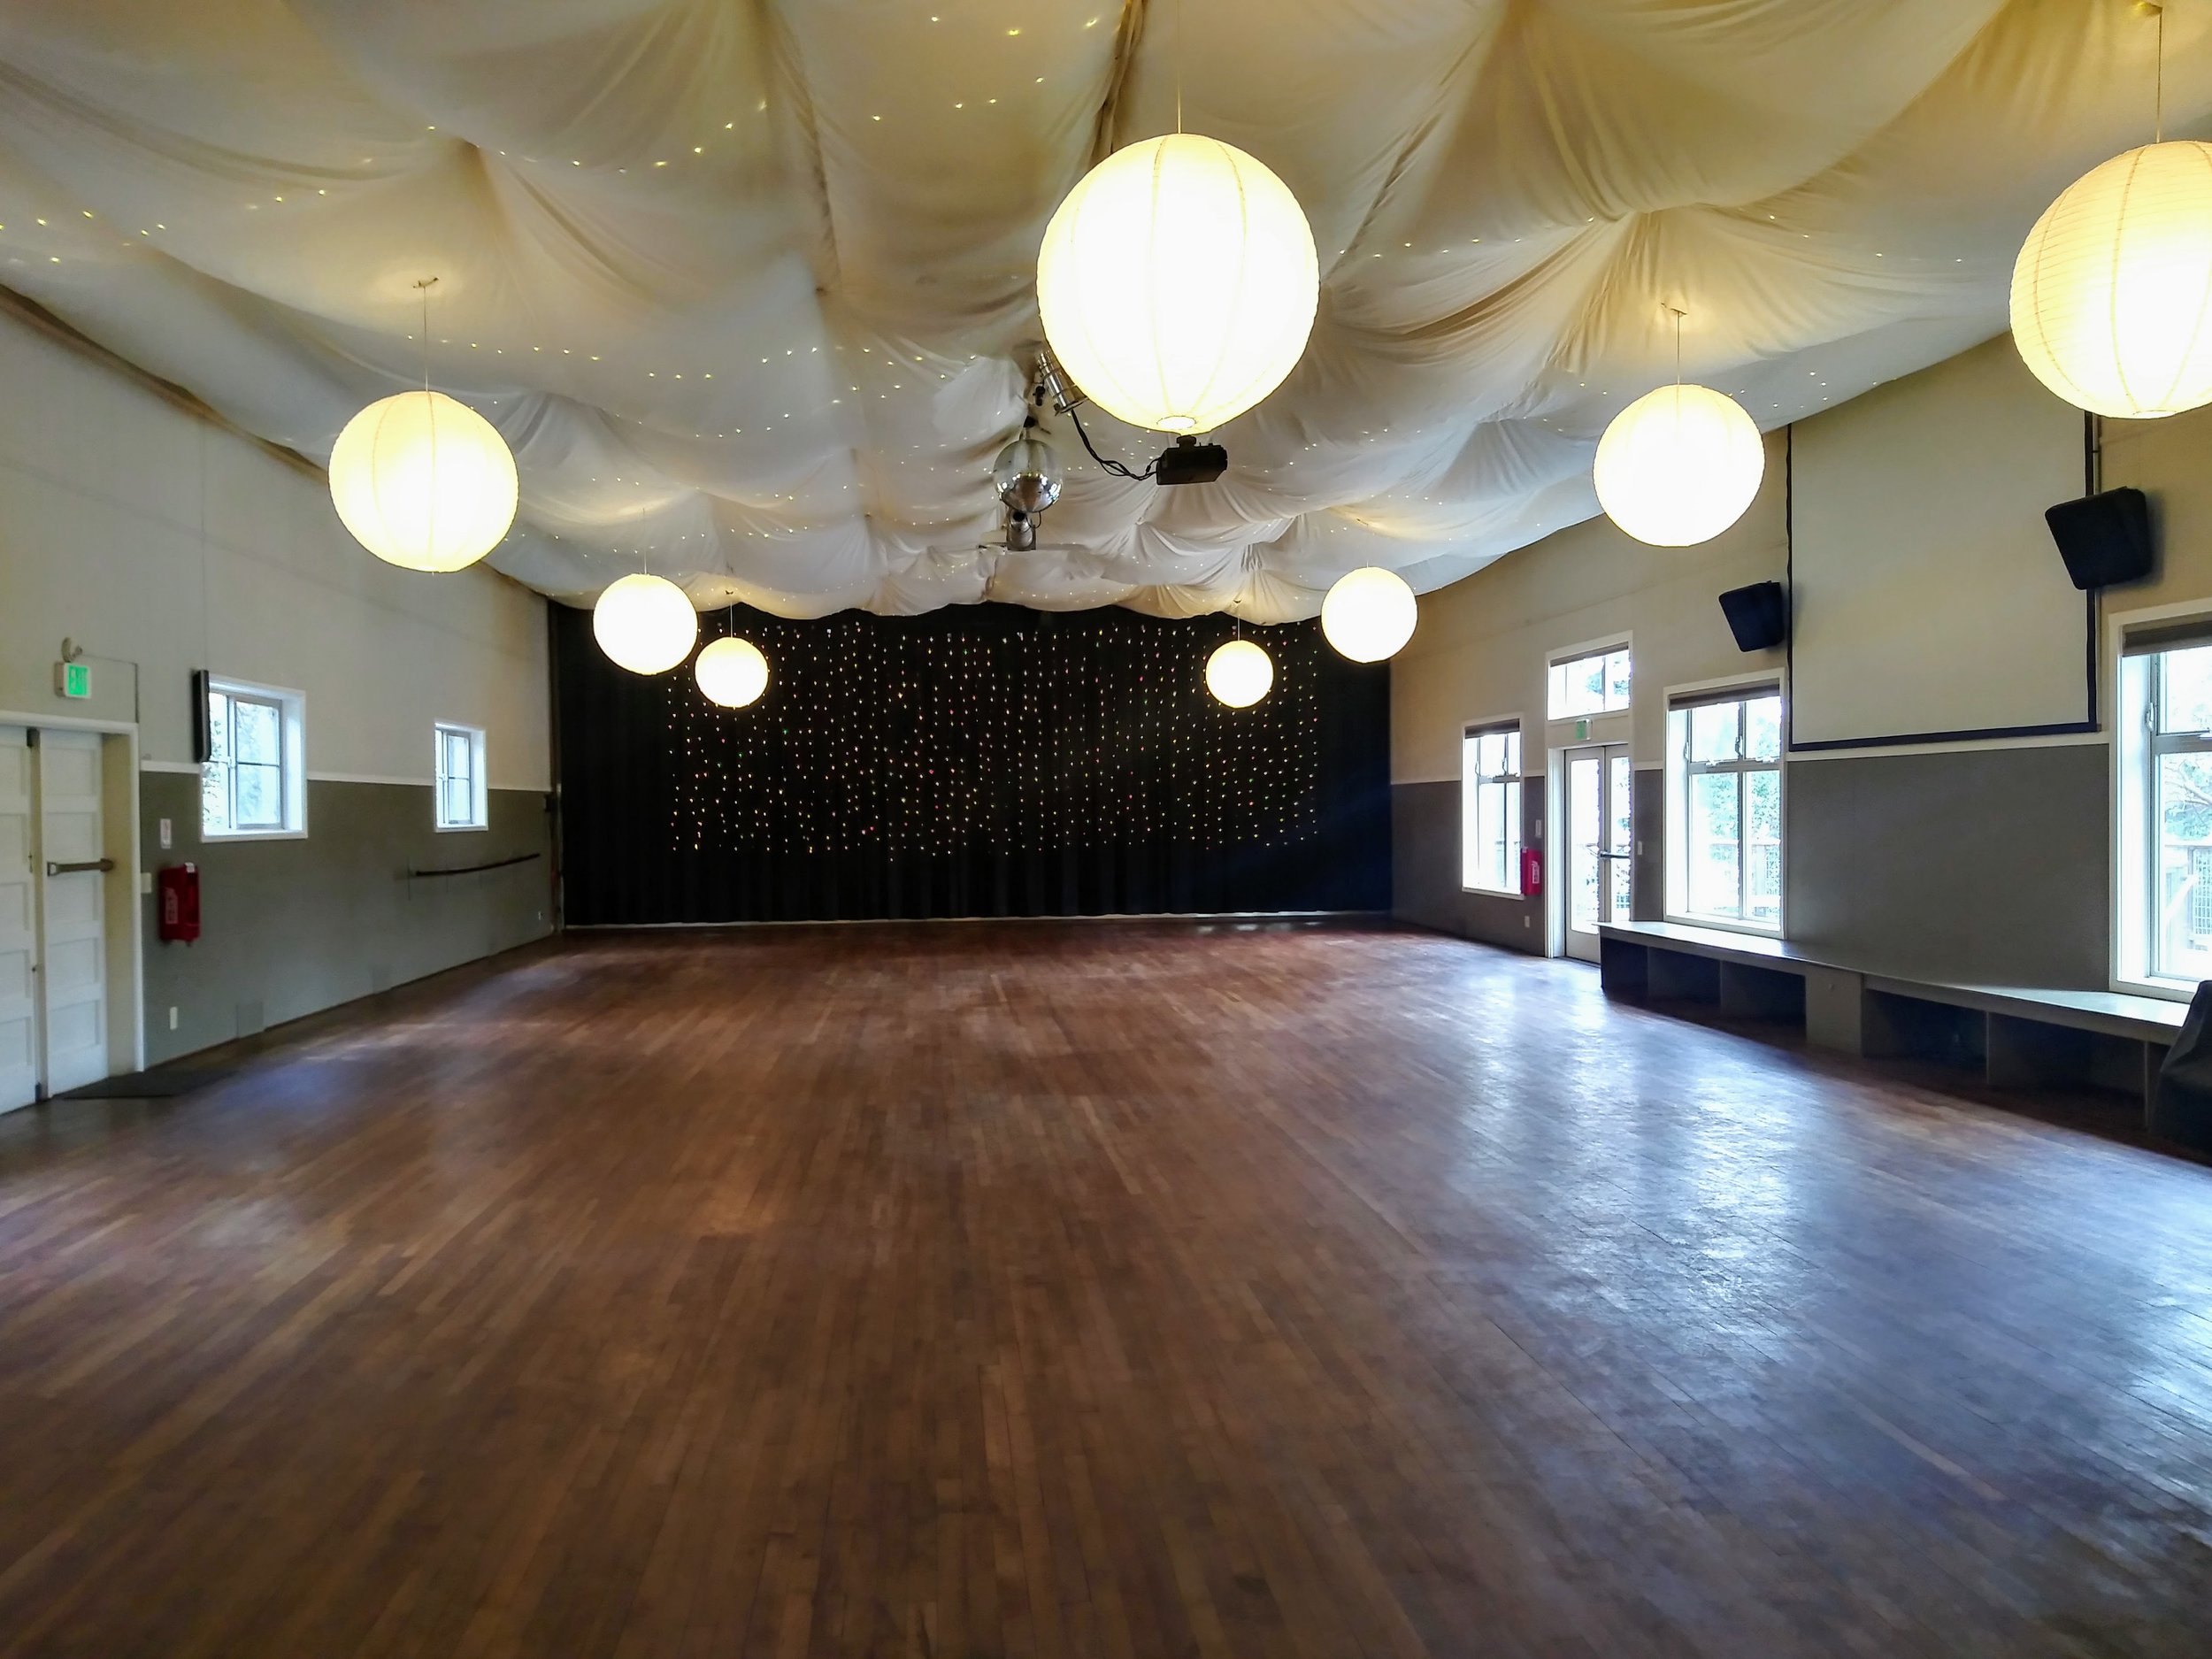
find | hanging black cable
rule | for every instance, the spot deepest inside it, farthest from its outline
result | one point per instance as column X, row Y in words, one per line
column 1115, row 467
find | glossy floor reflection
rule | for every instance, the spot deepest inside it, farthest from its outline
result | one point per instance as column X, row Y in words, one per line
column 1134, row 1290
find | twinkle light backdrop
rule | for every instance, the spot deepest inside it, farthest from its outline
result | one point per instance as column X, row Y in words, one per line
column 978, row 761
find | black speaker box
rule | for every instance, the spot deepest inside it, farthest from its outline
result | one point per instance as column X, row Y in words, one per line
column 203, row 725
column 1758, row 616
column 2104, row 539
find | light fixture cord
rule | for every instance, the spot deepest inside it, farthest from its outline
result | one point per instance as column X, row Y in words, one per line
column 423, row 287
column 1676, row 310
column 2158, row 125
column 1182, row 15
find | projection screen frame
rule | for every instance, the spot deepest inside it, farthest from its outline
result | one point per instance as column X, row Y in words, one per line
column 2093, row 468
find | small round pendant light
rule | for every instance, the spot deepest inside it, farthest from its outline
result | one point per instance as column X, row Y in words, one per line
column 645, row 623
column 421, row 481
column 1679, row 466
column 1178, row 283
column 1370, row 614
column 2112, row 293
column 732, row 672
column 1238, row 674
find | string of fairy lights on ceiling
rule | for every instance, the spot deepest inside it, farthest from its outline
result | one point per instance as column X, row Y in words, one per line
column 2107, row 296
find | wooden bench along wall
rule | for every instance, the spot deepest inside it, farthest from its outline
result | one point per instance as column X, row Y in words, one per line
column 2022, row 1036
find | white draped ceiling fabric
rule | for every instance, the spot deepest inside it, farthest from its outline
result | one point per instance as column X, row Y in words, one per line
column 747, row 284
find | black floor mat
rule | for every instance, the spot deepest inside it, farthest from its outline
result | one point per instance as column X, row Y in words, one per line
column 162, row 1083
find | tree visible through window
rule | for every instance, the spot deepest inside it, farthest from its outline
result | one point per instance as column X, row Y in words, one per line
column 1490, row 810
column 2180, row 819
column 246, row 785
column 1726, row 810
column 1595, row 684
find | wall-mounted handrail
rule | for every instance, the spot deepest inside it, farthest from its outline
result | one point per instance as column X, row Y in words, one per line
column 470, row 870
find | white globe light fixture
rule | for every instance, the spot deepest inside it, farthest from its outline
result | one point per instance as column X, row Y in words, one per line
column 644, row 624
column 732, row 672
column 1679, row 466
column 1178, row 283
column 423, row 481
column 1368, row 615
column 2112, row 293
column 1238, row 674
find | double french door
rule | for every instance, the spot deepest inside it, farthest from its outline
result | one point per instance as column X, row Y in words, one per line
column 1599, row 843
column 53, row 914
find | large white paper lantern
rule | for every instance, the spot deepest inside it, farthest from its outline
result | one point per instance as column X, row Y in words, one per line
column 1239, row 674
column 1178, row 283
column 423, row 481
column 645, row 623
column 2112, row 293
column 1679, row 466
column 1368, row 615
column 732, row 672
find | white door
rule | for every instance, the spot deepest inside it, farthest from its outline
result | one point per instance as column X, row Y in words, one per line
column 18, row 923
column 1600, row 831
column 75, row 908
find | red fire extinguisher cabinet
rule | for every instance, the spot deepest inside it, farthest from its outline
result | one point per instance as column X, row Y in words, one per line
column 178, row 890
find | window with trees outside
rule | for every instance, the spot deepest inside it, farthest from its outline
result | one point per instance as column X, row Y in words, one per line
column 1724, row 808
column 1490, row 809
column 2165, row 887
column 1595, row 683
column 253, row 782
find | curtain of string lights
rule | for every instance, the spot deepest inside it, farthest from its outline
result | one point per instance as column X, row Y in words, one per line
column 980, row 739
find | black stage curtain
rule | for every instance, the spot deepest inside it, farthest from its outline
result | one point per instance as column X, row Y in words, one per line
column 981, row 760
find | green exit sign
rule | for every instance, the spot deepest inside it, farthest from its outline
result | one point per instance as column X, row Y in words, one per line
column 74, row 680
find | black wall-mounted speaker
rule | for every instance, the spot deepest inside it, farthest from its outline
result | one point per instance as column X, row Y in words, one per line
column 2105, row 538
column 1758, row 616
column 203, row 729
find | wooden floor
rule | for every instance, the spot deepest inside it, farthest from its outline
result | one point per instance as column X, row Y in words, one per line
column 1107, row 1290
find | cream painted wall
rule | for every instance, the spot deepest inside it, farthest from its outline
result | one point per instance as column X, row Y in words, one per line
column 149, row 535
column 2172, row 460
column 1483, row 645
column 1985, row 862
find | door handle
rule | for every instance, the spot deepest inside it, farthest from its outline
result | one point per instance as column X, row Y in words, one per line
column 101, row 864
column 1605, row 855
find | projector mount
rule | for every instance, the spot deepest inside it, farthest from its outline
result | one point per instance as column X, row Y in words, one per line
column 1185, row 461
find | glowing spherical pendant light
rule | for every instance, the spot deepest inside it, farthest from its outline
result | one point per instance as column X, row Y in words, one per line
column 732, row 672
column 423, row 481
column 2112, row 294
column 1239, row 674
column 1177, row 282
column 1368, row 615
column 1679, row 466
column 645, row 623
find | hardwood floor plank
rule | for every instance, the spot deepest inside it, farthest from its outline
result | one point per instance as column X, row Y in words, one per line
column 974, row 1291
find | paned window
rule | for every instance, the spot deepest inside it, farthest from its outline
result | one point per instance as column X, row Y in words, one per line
column 1724, row 808
column 253, row 782
column 1594, row 684
column 459, row 777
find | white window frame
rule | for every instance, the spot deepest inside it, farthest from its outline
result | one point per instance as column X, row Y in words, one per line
column 1566, row 656
column 479, row 817
column 2137, row 748
column 292, row 760
column 1516, row 781
column 1681, row 769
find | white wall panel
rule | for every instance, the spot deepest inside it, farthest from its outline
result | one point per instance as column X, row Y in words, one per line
column 149, row 535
